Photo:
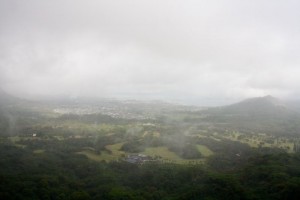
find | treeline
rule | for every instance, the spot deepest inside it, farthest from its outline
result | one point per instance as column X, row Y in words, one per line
column 57, row 174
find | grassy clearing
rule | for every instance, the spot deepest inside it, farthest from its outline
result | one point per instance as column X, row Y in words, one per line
column 108, row 157
column 259, row 140
column 156, row 134
column 153, row 134
column 104, row 156
column 20, row 145
column 114, row 154
column 206, row 152
column 162, row 152
column 39, row 151
column 59, row 137
column 91, row 155
column 15, row 139
column 115, row 149
column 81, row 127
column 166, row 155
column 145, row 134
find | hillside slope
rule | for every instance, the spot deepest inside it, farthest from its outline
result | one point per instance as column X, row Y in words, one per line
column 262, row 114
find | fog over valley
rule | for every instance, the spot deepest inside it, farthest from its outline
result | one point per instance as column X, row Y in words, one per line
column 149, row 100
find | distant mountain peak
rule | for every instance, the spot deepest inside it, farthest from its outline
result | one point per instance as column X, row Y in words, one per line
column 266, row 105
column 270, row 97
column 6, row 98
column 267, row 97
column 263, row 114
column 265, row 100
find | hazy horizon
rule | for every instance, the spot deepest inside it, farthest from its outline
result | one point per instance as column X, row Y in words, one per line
column 203, row 53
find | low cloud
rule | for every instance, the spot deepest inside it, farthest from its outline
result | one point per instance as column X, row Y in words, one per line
column 208, row 52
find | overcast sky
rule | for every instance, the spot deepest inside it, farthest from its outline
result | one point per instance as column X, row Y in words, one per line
column 205, row 52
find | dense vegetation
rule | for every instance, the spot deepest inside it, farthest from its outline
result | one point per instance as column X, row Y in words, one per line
column 59, row 173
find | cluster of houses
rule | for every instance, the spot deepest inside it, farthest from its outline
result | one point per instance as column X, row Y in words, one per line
column 117, row 112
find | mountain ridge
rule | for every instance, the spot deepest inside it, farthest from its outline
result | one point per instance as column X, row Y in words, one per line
column 260, row 114
column 266, row 105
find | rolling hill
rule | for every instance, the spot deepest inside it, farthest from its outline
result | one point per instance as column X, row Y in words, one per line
column 261, row 114
column 7, row 99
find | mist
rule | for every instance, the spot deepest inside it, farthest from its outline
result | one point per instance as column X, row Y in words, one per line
column 139, row 99
column 194, row 52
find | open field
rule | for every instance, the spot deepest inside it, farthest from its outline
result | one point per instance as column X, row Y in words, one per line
column 39, row 151
column 92, row 155
column 166, row 155
column 260, row 140
column 206, row 152
column 113, row 154
column 115, row 149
